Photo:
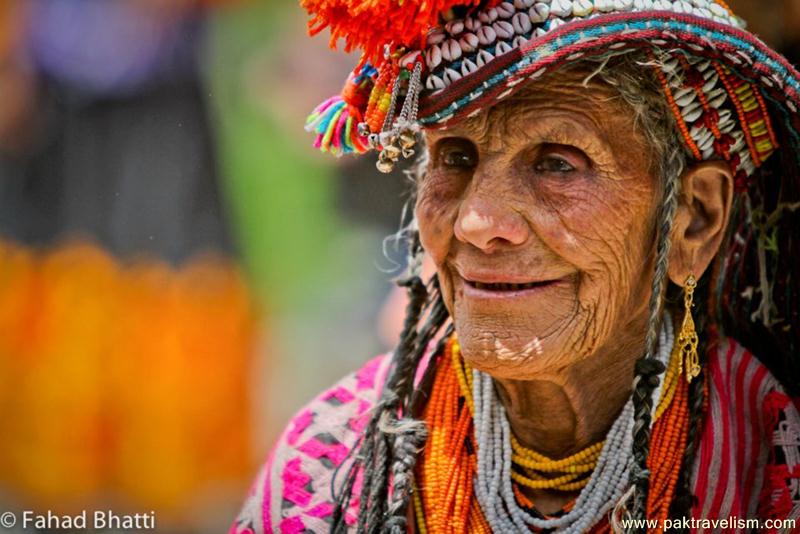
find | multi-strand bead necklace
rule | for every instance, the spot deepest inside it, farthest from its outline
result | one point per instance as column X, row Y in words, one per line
column 473, row 470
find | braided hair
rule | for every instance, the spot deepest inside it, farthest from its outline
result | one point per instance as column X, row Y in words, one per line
column 392, row 439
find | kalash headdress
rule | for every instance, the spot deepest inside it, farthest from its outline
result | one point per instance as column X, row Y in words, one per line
column 431, row 63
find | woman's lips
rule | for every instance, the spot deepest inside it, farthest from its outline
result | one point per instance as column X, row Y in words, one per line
column 506, row 290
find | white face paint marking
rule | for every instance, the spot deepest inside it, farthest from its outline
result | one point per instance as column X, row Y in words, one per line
column 570, row 239
column 474, row 222
column 537, row 346
column 504, row 353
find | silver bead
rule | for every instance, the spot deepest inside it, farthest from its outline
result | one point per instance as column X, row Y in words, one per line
column 407, row 139
column 384, row 165
column 392, row 152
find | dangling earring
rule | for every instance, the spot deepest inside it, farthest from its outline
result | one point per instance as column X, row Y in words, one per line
column 687, row 338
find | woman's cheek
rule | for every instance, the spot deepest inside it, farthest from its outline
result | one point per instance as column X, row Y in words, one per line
column 436, row 211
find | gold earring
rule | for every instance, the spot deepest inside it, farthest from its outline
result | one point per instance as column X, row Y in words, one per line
column 687, row 338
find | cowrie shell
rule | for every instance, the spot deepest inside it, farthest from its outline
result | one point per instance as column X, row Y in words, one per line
column 692, row 113
column 454, row 27
column 433, row 57
column 685, row 98
column 451, row 51
column 718, row 11
column 503, row 29
column 488, row 16
column 468, row 67
column 436, row 36
column 604, row 6
column 581, row 8
column 518, row 41
column 523, row 4
column 434, row 82
column 469, row 42
column 472, row 24
column 502, row 48
column 483, row 57
column 521, row 23
column 409, row 59
column 717, row 97
column 561, row 8
column 505, row 10
column 451, row 75
column 486, row 35
column 539, row 12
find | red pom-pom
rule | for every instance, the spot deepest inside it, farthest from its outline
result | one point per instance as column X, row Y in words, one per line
column 370, row 24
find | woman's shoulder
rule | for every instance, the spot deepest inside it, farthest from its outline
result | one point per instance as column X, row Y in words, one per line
column 292, row 492
column 748, row 460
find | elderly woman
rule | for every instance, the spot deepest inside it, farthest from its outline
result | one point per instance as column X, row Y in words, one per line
column 609, row 191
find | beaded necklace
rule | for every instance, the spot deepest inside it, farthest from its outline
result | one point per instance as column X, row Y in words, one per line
column 463, row 490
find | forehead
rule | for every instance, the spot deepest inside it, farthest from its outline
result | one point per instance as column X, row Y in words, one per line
column 576, row 93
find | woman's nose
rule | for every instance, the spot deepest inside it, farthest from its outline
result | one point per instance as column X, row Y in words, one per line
column 486, row 224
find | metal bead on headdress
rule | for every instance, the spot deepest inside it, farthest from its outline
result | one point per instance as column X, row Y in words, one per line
column 398, row 136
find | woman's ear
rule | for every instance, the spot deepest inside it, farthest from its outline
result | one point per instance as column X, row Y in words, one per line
column 704, row 207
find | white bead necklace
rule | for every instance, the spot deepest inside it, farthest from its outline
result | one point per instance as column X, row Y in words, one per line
column 606, row 486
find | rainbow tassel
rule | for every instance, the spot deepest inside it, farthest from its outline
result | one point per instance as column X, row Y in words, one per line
column 336, row 124
column 336, row 120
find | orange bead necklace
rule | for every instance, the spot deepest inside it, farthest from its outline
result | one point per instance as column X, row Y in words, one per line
column 444, row 502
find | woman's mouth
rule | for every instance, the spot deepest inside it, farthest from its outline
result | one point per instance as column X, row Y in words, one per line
column 508, row 286
column 500, row 289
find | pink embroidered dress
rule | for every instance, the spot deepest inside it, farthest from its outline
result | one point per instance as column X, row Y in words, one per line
column 747, row 464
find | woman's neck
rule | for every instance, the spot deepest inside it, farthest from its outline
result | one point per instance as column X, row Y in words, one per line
column 566, row 412
column 560, row 416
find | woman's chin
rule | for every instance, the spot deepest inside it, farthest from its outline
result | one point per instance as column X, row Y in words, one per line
column 514, row 357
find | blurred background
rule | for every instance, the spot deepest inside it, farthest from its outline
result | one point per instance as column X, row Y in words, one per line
column 179, row 270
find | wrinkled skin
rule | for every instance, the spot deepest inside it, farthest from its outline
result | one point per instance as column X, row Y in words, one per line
column 556, row 187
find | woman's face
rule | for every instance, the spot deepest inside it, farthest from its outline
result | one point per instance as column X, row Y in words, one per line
column 540, row 217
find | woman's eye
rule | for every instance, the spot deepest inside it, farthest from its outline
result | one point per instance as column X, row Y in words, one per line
column 458, row 156
column 553, row 164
